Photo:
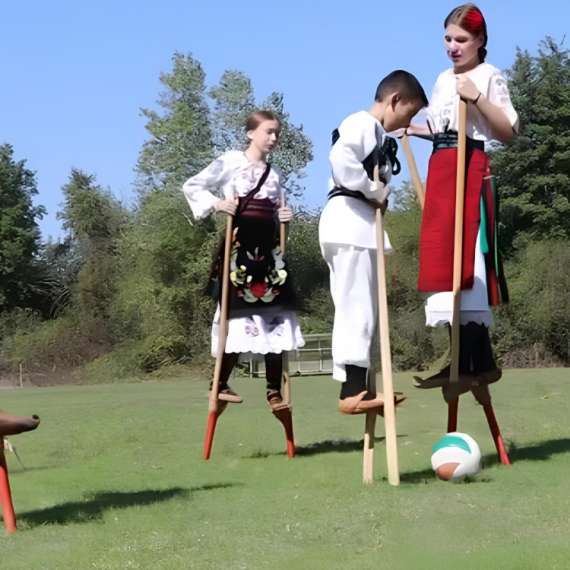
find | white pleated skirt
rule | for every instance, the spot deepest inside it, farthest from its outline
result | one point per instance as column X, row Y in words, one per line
column 260, row 334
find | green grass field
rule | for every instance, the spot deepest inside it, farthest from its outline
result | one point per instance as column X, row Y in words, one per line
column 115, row 479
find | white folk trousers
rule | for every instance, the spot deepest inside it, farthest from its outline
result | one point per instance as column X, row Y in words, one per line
column 354, row 289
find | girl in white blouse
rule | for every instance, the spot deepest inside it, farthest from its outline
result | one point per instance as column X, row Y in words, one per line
column 490, row 116
column 262, row 320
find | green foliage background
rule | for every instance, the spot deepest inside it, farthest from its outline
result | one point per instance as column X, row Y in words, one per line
column 123, row 294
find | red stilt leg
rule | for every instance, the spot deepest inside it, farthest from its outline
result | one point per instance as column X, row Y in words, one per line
column 494, row 427
column 453, row 406
column 215, row 411
column 5, row 495
column 285, row 416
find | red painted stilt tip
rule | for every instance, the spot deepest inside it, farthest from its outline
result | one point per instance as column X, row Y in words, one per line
column 452, row 409
column 290, row 448
column 212, row 420
column 285, row 416
column 215, row 410
column 496, row 433
column 502, row 451
column 5, row 495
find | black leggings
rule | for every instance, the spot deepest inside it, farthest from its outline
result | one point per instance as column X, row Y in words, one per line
column 475, row 352
column 273, row 368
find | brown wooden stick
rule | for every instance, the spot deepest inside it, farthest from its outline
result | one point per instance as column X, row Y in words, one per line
column 458, row 255
column 386, row 357
column 286, row 379
column 416, row 180
column 223, row 326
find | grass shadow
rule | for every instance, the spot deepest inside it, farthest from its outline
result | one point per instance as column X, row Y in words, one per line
column 93, row 507
column 542, row 451
column 318, row 447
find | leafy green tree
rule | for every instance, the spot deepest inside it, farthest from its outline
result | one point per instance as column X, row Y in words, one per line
column 92, row 215
column 234, row 101
column 19, row 231
column 534, row 328
column 95, row 221
column 60, row 264
column 180, row 143
column 295, row 148
column 534, row 171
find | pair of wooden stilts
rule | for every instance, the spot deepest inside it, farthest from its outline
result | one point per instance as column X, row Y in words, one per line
column 453, row 389
column 216, row 406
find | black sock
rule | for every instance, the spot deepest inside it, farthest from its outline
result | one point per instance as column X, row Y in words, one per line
column 355, row 381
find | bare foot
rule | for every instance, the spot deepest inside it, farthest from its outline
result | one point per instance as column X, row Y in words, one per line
column 360, row 404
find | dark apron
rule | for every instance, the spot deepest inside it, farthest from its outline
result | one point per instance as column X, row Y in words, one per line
column 259, row 278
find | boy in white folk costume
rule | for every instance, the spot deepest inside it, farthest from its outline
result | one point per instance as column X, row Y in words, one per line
column 262, row 320
column 347, row 231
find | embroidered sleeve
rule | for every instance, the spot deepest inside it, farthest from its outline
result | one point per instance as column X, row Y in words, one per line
column 198, row 189
column 499, row 96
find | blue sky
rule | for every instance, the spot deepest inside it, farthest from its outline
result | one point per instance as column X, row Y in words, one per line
column 75, row 74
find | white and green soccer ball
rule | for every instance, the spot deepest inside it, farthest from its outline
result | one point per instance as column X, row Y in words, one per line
column 455, row 457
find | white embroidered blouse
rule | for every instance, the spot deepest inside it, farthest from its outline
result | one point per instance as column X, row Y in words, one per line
column 232, row 175
column 442, row 113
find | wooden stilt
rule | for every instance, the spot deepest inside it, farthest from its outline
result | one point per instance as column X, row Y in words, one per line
column 414, row 175
column 457, row 261
column 496, row 433
column 452, row 408
column 216, row 407
column 483, row 396
column 386, row 359
column 285, row 416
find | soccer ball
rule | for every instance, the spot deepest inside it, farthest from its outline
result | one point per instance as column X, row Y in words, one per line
column 455, row 457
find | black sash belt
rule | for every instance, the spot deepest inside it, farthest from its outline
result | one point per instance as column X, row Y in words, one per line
column 340, row 191
column 449, row 140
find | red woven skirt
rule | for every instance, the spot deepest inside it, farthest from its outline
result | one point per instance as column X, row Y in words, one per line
column 438, row 222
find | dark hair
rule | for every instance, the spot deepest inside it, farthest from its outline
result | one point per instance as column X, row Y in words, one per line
column 257, row 117
column 471, row 19
column 403, row 83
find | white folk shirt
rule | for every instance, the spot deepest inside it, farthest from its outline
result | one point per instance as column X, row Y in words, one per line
column 233, row 174
column 443, row 111
column 345, row 220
